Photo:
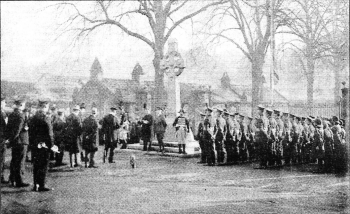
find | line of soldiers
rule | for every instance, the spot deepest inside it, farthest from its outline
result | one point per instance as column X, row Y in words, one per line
column 274, row 138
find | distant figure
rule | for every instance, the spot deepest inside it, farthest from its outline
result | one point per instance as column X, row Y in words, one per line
column 73, row 132
column 109, row 125
column 59, row 126
column 90, row 127
column 146, row 130
column 159, row 128
column 181, row 125
column 135, row 130
column 132, row 161
column 124, row 131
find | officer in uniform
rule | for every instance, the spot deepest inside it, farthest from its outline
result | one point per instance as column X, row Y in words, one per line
column 300, row 141
column 146, row 129
column 295, row 139
column 319, row 142
column 261, row 136
column 73, row 132
column 181, row 125
column 287, row 139
column 312, row 145
column 200, row 138
column 328, row 146
column 59, row 126
column 3, row 140
column 209, row 141
column 17, row 134
column 219, row 136
column 243, row 150
column 229, row 136
column 279, row 137
column 109, row 125
column 90, row 127
column 272, row 133
column 250, row 139
column 43, row 140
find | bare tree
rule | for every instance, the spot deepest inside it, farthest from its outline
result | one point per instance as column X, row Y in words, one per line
column 250, row 22
column 161, row 18
column 308, row 21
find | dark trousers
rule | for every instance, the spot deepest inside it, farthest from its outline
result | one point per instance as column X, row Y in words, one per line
column 19, row 152
column 59, row 156
column 203, row 151
column 2, row 159
column 211, row 151
column 229, row 149
column 111, row 152
column 91, row 160
column 221, row 151
column 160, row 137
column 40, row 161
column 146, row 141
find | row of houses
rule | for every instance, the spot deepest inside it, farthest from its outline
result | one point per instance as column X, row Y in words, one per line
column 102, row 93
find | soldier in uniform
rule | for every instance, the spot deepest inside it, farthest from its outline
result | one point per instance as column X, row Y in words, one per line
column 73, row 132
column 250, row 139
column 219, row 136
column 3, row 140
column 59, row 126
column 261, row 136
column 287, row 139
column 159, row 128
column 80, row 139
column 328, row 147
column 146, row 129
column 300, row 141
column 200, row 138
column 243, row 149
column 209, row 124
column 90, row 128
column 295, row 139
column 229, row 137
column 43, row 140
column 279, row 137
column 181, row 125
column 272, row 133
column 237, row 136
column 109, row 125
column 312, row 129
column 319, row 142
column 17, row 134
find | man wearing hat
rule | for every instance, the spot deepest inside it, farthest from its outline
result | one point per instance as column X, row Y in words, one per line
column 261, row 136
column 3, row 140
column 287, row 138
column 146, row 129
column 181, row 125
column 272, row 133
column 159, row 128
column 312, row 146
column 82, row 116
column 42, row 133
column 17, row 133
column 279, row 137
column 110, row 123
column 328, row 146
column 250, row 139
column 90, row 127
column 59, row 126
column 73, row 132
column 209, row 124
column 229, row 137
column 201, row 140
column 243, row 150
column 237, row 136
column 219, row 135
column 319, row 142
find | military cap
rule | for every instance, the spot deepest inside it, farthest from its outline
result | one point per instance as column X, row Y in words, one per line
column 42, row 103
column 268, row 110
column 202, row 114
column 226, row 112
column 292, row 115
column 76, row 107
column 82, row 106
column 158, row 108
column 113, row 108
column 303, row 118
column 285, row 113
column 232, row 114
column 241, row 115
column 335, row 120
column 297, row 117
column 310, row 118
column 19, row 102
column 250, row 118
column 219, row 109
column 182, row 110
column 261, row 107
column 342, row 122
column 236, row 113
column 209, row 109
column 318, row 122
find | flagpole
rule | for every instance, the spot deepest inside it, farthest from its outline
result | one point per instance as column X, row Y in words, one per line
column 272, row 48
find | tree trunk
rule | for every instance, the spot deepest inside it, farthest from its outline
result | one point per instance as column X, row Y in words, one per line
column 257, row 83
column 159, row 91
column 310, row 85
